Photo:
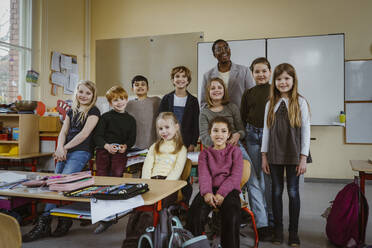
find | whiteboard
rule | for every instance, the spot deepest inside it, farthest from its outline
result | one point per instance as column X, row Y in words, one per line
column 243, row 52
column 319, row 63
column 358, row 122
column 358, row 80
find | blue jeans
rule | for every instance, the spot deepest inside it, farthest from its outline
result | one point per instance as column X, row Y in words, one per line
column 253, row 140
column 74, row 162
column 277, row 176
column 255, row 194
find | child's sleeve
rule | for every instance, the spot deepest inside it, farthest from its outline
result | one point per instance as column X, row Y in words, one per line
column 265, row 135
column 99, row 133
column 238, row 121
column 203, row 128
column 196, row 112
column 233, row 181
column 244, row 108
column 176, row 173
column 205, row 178
column 148, row 165
column 164, row 105
column 132, row 133
column 305, row 127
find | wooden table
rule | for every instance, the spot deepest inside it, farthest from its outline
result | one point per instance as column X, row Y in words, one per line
column 159, row 189
column 20, row 157
column 365, row 173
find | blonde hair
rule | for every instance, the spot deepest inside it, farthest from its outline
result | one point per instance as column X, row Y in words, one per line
column 177, row 138
column 225, row 99
column 294, row 112
column 116, row 92
column 76, row 104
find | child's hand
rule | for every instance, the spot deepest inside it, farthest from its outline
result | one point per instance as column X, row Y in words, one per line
column 209, row 198
column 110, row 148
column 265, row 164
column 60, row 154
column 234, row 139
column 219, row 199
column 301, row 168
column 191, row 148
column 123, row 148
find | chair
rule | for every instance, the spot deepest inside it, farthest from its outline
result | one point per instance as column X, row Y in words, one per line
column 245, row 177
column 10, row 234
column 184, row 176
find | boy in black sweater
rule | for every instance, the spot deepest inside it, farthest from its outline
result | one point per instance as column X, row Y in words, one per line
column 115, row 133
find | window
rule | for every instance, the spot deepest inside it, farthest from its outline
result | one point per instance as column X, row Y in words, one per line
column 15, row 49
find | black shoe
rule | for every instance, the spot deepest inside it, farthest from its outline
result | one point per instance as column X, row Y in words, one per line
column 41, row 229
column 265, row 234
column 278, row 237
column 103, row 226
column 293, row 239
column 64, row 224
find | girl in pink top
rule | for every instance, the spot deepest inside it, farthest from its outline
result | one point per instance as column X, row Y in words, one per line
column 220, row 171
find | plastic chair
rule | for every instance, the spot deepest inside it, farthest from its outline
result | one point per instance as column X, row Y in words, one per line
column 10, row 234
column 245, row 177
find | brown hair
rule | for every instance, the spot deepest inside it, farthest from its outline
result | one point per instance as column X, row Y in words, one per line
column 294, row 112
column 225, row 99
column 181, row 68
column 219, row 119
column 116, row 92
column 76, row 104
column 260, row 60
column 177, row 139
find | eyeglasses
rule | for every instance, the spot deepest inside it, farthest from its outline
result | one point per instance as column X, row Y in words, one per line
column 222, row 49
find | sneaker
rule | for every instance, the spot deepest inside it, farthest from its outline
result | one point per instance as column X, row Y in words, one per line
column 264, row 233
column 63, row 226
column 41, row 229
column 278, row 237
column 293, row 239
column 103, row 226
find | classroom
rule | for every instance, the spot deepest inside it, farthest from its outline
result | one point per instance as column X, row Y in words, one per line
column 74, row 27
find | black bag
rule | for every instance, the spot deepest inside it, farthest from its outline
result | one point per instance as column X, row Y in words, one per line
column 170, row 233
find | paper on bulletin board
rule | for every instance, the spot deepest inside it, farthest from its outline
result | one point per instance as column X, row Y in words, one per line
column 66, row 62
column 59, row 78
column 71, row 85
column 101, row 209
column 55, row 65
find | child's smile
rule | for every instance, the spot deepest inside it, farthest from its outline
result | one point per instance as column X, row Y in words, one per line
column 84, row 95
column 219, row 135
column 167, row 129
column 180, row 80
column 261, row 73
column 284, row 83
column 216, row 91
column 119, row 104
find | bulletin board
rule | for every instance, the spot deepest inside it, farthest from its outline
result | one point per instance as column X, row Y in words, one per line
column 64, row 72
column 358, row 101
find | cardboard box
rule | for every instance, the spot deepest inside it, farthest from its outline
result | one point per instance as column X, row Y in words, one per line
column 49, row 124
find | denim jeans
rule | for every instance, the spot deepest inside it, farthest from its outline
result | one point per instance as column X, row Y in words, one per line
column 253, row 140
column 255, row 194
column 75, row 162
column 277, row 176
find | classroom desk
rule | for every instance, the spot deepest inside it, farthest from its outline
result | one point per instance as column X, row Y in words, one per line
column 159, row 189
column 365, row 173
column 21, row 157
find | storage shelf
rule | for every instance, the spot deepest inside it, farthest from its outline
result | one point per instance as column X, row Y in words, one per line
column 9, row 141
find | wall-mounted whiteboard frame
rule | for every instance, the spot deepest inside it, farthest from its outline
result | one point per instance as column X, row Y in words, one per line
column 319, row 63
column 243, row 52
column 358, row 80
column 358, row 123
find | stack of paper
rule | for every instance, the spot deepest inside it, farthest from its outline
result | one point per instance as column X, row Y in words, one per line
column 8, row 178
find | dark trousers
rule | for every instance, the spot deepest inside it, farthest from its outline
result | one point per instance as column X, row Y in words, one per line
column 110, row 164
column 230, row 213
column 277, row 176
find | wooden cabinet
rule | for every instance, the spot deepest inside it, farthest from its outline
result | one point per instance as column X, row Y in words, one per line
column 28, row 124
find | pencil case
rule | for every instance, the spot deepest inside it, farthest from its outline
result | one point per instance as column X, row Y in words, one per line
column 110, row 192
